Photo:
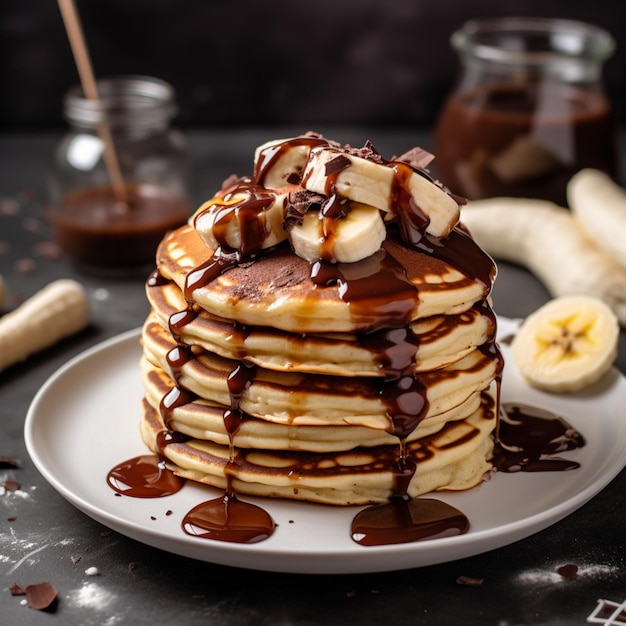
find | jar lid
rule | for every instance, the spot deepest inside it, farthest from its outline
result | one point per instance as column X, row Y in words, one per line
column 123, row 101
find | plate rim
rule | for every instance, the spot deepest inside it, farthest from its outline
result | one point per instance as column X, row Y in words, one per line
column 261, row 557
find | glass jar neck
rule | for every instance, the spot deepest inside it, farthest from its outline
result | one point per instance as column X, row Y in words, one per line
column 570, row 51
column 125, row 102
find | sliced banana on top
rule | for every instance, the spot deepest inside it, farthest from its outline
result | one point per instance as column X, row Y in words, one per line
column 567, row 344
column 245, row 218
column 357, row 235
column 281, row 162
column 382, row 185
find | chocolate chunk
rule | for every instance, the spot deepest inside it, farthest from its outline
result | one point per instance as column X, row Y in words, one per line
column 468, row 581
column 17, row 590
column 297, row 204
column 336, row 165
column 40, row 596
column 7, row 463
column 569, row 571
column 416, row 157
column 11, row 485
column 231, row 181
column 367, row 152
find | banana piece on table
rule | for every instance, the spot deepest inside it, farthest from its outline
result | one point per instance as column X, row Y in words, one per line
column 58, row 310
column 567, row 344
column 599, row 204
column 241, row 219
column 547, row 240
column 376, row 184
column 348, row 239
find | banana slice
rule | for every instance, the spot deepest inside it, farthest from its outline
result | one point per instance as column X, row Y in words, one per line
column 281, row 162
column 567, row 344
column 246, row 218
column 330, row 170
column 348, row 239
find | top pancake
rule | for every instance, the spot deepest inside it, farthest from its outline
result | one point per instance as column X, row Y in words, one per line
column 391, row 288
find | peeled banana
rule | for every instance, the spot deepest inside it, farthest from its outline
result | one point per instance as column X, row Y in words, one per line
column 546, row 239
column 599, row 204
column 567, row 344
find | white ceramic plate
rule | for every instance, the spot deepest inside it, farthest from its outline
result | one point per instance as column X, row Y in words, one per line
column 84, row 421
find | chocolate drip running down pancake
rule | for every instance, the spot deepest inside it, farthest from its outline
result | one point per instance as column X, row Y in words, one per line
column 274, row 374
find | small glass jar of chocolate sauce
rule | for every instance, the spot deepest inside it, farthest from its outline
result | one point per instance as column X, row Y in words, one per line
column 529, row 108
column 100, row 227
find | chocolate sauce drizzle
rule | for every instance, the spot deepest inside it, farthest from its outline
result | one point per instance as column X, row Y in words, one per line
column 383, row 299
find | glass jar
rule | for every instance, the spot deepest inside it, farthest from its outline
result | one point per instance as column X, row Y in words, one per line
column 101, row 226
column 529, row 109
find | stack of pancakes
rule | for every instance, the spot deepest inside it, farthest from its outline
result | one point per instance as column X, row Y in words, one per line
column 267, row 381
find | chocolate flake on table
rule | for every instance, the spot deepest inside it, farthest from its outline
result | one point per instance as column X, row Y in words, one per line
column 336, row 165
column 8, row 463
column 17, row 590
column 469, row 581
column 568, row 571
column 297, row 205
column 11, row 485
column 40, row 596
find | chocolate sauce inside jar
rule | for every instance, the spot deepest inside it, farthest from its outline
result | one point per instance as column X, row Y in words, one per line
column 96, row 230
column 520, row 140
column 529, row 437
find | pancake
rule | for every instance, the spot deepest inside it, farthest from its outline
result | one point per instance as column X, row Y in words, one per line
column 202, row 419
column 431, row 343
column 276, row 289
column 310, row 399
column 452, row 459
column 306, row 345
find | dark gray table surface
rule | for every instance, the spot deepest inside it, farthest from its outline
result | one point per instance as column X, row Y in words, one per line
column 44, row 538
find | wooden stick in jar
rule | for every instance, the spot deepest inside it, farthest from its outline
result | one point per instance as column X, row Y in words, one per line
column 88, row 83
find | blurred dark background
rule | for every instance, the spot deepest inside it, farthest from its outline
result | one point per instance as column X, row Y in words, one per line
column 267, row 61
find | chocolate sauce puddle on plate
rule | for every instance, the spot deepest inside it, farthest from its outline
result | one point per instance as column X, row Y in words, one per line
column 528, row 437
column 229, row 519
column 404, row 520
column 144, row 476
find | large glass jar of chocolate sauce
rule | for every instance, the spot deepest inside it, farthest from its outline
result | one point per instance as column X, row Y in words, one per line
column 96, row 224
column 529, row 109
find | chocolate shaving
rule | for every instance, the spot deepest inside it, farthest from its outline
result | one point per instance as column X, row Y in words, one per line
column 468, row 581
column 40, row 596
column 297, row 204
column 17, row 590
column 569, row 571
column 366, row 152
column 417, row 158
column 232, row 181
column 336, row 165
column 8, row 463
column 11, row 485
